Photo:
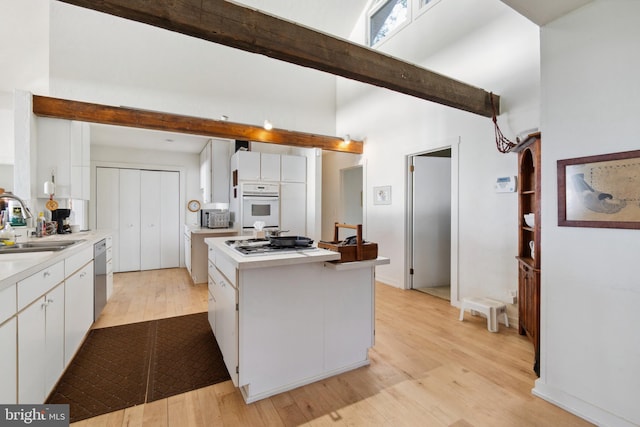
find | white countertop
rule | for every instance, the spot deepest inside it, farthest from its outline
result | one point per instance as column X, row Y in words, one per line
column 287, row 258
column 196, row 229
column 15, row 267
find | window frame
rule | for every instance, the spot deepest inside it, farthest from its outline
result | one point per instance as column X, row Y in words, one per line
column 375, row 9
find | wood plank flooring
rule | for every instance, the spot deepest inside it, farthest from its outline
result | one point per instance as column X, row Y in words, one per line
column 427, row 369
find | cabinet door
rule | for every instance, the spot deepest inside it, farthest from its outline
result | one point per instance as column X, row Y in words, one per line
column 187, row 251
column 54, row 338
column 79, row 143
column 248, row 165
column 205, row 173
column 78, row 309
column 150, row 222
column 8, row 362
column 211, row 309
column 293, row 208
column 31, row 348
column 108, row 206
column 220, row 173
column 228, row 327
column 129, row 212
column 169, row 219
column 53, row 155
column 293, row 168
column 270, row 167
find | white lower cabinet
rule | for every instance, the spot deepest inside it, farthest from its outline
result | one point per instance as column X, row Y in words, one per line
column 8, row 362
column 41, row 346
column 79, row 314
column 223, row 317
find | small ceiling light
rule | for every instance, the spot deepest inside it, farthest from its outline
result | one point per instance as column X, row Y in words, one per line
column 347, row 139
column 268, row 125
column 224, row 118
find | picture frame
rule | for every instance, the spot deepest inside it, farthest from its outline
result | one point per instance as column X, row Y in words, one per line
column 601, row 191
column 382, row 195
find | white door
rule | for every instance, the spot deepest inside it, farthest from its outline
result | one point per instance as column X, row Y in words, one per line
column 129, row 212
column 150, row 225
column 108, row 206
column 170, row 219
column 431, row 222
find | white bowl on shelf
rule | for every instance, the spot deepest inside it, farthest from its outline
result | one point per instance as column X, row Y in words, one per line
column 530, row 220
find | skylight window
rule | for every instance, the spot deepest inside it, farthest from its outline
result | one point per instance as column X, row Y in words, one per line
column 389, row 16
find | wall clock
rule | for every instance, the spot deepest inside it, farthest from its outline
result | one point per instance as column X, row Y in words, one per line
column 193, row 205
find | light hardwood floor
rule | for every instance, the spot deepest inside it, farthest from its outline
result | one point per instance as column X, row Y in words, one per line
column 427, row 369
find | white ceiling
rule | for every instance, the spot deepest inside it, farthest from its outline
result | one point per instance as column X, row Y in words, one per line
column 336, row 17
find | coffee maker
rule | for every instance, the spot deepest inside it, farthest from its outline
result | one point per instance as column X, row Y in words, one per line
column 60, row 215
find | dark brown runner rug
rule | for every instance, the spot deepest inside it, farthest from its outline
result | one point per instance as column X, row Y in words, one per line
column 123, row 366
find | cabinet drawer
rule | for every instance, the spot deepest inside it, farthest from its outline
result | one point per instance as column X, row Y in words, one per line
column 39, row 284
column 74, row 262
column 7, row 303
column 109, row 253
column 109, row 240
column 226, row 267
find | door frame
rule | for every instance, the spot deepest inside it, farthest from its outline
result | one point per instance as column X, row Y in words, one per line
column 452, row 144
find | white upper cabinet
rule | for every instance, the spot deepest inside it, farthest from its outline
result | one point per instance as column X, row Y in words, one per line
column 293, row 168
column 256, row 166
column 205, row 173
column 63, row 150
column 214, row 171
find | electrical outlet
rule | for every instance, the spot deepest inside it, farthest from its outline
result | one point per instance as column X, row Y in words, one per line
column 513, row 296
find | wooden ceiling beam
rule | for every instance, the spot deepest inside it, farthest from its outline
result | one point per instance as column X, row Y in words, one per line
column 120, row 116
column 229, row 24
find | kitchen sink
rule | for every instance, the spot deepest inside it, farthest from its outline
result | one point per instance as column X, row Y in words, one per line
column 44, row 246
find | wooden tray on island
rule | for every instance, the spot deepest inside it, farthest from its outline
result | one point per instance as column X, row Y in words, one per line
column 361, row 251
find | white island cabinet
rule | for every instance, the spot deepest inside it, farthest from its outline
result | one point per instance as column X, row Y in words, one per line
column 286, row 320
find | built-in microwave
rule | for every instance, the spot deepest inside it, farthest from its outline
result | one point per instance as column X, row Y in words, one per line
column 260, row 202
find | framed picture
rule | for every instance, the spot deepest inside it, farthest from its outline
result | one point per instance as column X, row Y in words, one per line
column 600, row 191
column 382, row 195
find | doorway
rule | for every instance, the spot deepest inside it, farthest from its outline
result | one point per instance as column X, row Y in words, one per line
column 433, row 223
column 351, row 195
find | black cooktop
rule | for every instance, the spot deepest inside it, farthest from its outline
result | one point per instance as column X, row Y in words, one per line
column 263, row 247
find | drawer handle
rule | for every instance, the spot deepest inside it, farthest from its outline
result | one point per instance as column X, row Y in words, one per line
column 84, row 273
column 46, row 274
column 49, row 301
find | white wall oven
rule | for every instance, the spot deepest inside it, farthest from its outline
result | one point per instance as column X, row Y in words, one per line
column 260, row 202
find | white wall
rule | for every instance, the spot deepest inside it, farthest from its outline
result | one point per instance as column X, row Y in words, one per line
column 397, row 125
column 590, row 349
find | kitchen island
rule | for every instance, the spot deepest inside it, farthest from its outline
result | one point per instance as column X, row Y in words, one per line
column 286, row 320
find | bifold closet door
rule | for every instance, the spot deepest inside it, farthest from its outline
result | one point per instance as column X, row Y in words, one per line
column 160, row 224
column 129, row 211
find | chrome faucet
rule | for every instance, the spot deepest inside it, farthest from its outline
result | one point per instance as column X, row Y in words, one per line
column 26, row 213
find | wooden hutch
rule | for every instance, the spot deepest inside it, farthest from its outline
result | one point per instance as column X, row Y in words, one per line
column 528, row 256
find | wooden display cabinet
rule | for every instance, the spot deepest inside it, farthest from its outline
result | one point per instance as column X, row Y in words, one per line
column 529, row 249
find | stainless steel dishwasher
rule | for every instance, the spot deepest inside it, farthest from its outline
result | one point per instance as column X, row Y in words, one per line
column 100, row 277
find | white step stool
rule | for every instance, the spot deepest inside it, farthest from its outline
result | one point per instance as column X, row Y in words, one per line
column 490, row 308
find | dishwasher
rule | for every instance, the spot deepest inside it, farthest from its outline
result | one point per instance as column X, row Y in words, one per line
column 100, row 277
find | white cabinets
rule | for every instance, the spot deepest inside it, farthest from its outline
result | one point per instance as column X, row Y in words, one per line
column 40, row 333
column 214, row 171
column 223, row 310
column 256, row 166
column 109, row 267
column 293, row 208
column 144, row 207
column 78, row 300
column 293, row 168
column 8, row 346
column 293, row 195
column 187, row 249
column 205, row 173
column 63, row 148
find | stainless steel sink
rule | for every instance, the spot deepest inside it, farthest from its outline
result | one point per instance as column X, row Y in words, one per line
column 44, row 246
